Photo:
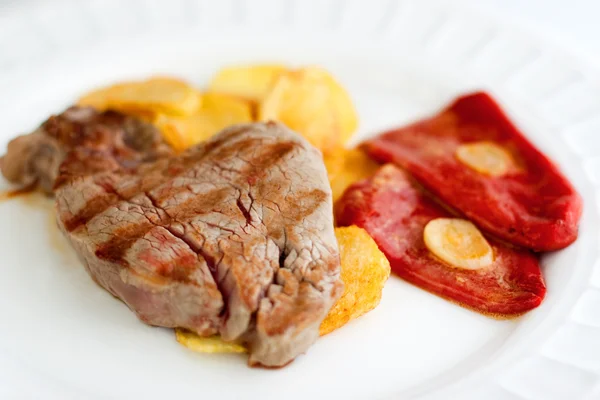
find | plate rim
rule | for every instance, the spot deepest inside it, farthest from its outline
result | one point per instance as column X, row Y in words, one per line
column 17, row 70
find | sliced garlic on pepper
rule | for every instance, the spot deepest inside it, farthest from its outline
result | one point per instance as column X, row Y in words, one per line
column 485, row 157
column 458, row 242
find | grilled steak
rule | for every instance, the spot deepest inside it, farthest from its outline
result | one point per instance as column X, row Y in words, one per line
column 234, row 236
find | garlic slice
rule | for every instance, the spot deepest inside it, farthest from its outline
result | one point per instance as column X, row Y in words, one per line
column 458, row 242
column 486, row 158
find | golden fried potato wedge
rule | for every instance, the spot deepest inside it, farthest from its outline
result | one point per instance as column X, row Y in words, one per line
column 217, row 112
column 249, row 82
column 155, row 95
column 212, row 344
column 311, row 102
column 346, row 167
column 365, row 269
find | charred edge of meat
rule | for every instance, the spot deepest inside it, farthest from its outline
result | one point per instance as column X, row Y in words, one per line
column 87, row 141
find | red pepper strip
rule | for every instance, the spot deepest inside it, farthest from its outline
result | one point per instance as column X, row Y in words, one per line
column 533, row 206
column 394, row 211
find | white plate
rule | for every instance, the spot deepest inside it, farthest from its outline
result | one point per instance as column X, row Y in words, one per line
column 64, row 337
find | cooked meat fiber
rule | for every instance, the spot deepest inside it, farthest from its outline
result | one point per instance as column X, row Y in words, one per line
column 234, row 236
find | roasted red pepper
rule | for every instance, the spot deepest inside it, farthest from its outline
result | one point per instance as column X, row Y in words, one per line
column 531, row 205
column 395, row 210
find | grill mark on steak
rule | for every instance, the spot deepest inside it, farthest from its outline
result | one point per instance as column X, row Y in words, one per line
column 93, row 208
column 96, row 205
column 267, row 157
column 275, row 152
column 114, row 250
column 197, row 205
column 306, row 203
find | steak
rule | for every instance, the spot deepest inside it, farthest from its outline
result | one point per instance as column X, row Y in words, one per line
column 234, row 236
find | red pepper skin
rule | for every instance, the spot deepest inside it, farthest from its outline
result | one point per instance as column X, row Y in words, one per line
column 536, row 207
column 394, row 210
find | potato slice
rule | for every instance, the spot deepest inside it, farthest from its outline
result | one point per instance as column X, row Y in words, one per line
column 312, row 103
column 212, row 344
column 345, row 109
column 250, row 82
column 217, row 112
column 365, row 269
column 334, row 163
column 346, row 167
column 458, row 242
column 155, row 95
column 100, row 98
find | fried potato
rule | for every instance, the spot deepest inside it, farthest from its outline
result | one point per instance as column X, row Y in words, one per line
column 155, row 95
column 346, row 167
column 212, row 344
column 312, row 103
column 250, row 82
column 365, row 269
column 100, row 98
column 217, row 112
column 345, row 109
column 334, row 162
